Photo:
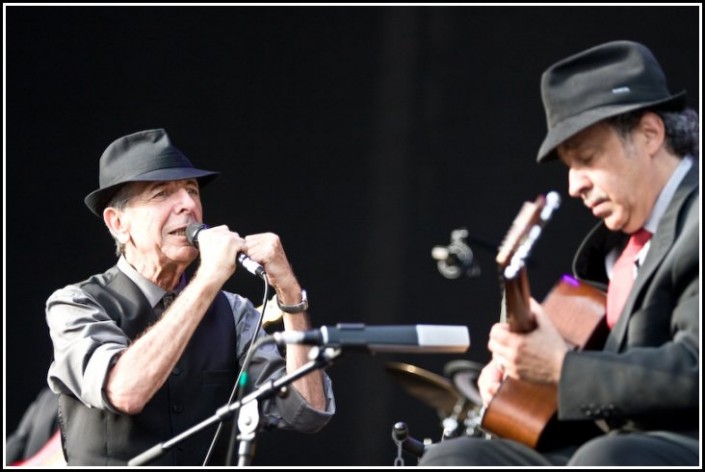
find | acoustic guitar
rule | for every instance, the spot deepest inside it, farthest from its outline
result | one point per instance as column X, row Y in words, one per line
column 527, row 411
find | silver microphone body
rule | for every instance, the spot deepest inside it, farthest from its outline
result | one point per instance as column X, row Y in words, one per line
column 405, row 338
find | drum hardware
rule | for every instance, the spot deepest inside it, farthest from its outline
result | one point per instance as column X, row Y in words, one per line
column 410, row 445
column 464, row 374
column 457, row 402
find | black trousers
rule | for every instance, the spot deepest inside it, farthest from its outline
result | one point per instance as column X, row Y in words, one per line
column 632, row 449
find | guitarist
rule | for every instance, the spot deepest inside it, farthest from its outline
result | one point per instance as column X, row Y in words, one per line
column 631, row 149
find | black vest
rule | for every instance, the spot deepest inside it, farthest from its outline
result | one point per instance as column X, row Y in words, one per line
column 200, row 383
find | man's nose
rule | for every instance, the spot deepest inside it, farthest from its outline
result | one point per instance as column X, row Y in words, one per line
column 578, row 183
column 186, row 201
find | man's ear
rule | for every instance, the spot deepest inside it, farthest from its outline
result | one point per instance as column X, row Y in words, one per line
column 654, row 131
column 116, row 222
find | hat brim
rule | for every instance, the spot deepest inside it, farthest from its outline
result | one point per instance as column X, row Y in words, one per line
column 97, row 200
column 577, row 123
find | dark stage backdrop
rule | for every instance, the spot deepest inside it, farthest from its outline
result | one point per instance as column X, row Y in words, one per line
column 361, row 135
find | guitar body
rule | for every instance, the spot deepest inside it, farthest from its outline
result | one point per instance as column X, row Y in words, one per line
column 526, row 411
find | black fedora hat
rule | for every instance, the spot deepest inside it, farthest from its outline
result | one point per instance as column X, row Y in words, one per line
column 601, row 82
column 144, row 156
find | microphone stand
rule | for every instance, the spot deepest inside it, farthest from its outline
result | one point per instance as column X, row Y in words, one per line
column 248, row 417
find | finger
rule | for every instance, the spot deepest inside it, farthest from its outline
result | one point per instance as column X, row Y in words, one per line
column 499, row 348
column 500, row 364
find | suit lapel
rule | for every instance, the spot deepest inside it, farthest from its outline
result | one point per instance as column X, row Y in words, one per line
column 661, row 243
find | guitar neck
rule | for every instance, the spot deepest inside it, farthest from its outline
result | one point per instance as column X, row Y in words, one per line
column 511, row 259
column 515, row 304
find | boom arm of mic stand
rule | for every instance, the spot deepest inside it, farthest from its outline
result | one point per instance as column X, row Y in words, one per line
column 320, row 358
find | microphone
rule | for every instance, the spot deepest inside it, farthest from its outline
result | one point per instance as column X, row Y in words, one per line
column 456, row 259
column 409, row 338
column 252, row 267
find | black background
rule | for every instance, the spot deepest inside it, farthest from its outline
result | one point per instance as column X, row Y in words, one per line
column 361, row 135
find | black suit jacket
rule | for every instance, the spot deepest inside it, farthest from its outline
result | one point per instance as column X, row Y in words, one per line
column 647, row 376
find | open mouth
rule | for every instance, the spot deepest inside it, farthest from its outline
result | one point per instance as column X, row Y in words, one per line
column 179, row 232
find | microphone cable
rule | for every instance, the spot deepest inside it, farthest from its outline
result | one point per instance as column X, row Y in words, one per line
column 242, row 377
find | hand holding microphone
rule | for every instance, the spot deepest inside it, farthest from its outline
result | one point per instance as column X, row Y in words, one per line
column 192, row 233
column 265, row 247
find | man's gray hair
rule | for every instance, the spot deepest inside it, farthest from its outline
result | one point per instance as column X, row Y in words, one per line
column 682, row 128
column 120, row 201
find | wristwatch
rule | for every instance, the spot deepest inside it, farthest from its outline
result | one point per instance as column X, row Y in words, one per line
column 298, row 308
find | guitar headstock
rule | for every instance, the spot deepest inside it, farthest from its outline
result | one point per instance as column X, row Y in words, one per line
column 524, row 232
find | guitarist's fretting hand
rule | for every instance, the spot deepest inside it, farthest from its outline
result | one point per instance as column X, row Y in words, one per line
column 536, row 356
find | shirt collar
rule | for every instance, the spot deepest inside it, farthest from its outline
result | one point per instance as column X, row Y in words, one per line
column 154, row 293
column 666, row 195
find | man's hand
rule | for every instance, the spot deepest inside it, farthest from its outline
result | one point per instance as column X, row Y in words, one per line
column 536, row 356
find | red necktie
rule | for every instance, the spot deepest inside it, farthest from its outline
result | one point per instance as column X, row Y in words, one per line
column 623, row 275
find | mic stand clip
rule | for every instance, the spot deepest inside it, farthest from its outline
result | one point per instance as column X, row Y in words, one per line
column 247, row 424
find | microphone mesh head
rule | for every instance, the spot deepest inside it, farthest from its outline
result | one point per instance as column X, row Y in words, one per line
column 192, row 232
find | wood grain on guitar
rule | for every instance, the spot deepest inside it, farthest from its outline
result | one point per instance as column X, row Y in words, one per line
column 526, row 411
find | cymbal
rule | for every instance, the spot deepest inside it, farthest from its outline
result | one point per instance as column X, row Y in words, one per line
column 272, row 314
column 464, row 374
column 432, row 389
